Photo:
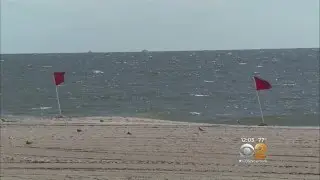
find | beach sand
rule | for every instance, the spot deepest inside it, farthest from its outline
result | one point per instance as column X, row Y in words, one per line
column 155, row 150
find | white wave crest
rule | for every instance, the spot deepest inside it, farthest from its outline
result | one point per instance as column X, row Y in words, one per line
column 97, row 72
column 199, row 95
column 195, row 113
column 41, row 108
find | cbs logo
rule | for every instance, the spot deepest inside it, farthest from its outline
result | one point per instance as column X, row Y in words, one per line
column 259, row 151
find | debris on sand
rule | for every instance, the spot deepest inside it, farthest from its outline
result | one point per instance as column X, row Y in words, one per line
column 200, row 129
column 262, row 124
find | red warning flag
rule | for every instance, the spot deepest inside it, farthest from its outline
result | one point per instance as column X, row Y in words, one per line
column 261, row 84
column 58, row 77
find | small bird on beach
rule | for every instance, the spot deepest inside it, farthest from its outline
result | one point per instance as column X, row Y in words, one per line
column 200, row 129
column 129, row 133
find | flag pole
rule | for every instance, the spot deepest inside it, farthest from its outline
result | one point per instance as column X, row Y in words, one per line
column 57, row 93
column 258, row 100
column 260, row 107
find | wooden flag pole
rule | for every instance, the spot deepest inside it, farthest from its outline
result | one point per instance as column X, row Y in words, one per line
column 57, row 93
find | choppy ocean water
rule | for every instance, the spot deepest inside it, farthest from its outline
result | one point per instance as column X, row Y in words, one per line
column 195, row 86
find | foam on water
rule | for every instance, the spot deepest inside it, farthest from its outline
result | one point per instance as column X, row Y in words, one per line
column 195, row 113
column 199, row 95
column 41, row 108
column 208, row 81
column 97, row 72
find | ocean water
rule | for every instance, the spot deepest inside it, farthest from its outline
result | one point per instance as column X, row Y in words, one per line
column 194, row 86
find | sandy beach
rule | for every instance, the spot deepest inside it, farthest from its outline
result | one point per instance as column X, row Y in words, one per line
column 100, row 148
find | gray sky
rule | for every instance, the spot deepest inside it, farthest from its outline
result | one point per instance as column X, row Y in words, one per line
column 38, row 26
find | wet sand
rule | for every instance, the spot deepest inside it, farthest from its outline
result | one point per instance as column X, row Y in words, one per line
column 85, row 148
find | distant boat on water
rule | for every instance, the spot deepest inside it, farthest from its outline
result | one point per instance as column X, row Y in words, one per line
column 145, row 51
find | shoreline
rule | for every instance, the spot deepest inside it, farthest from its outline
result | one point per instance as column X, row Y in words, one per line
column 109, row 120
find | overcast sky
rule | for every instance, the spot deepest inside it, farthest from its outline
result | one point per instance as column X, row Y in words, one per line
column 38, row 26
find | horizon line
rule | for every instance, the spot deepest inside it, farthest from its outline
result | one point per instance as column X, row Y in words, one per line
column 199, row 50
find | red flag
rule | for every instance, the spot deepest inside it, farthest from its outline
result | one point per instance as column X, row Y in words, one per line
column 58, row 77
column 261, row 84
